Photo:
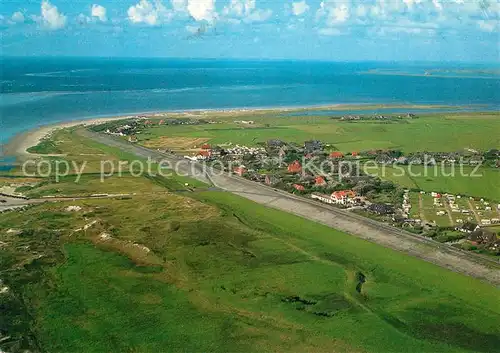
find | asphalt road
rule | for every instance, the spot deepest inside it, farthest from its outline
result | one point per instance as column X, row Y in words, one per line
column 471, row 264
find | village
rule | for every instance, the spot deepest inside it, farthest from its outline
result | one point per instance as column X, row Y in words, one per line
column 375, row 117
column 132, row 126
column 439, row 215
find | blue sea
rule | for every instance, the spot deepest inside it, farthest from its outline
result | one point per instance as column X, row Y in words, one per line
column 38, row 91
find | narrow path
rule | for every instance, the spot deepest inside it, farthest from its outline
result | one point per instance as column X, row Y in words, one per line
column 421, row 208
column 448, row 210
column 473, row 209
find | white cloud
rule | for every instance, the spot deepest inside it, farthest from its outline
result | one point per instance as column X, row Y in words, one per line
column 335, row 12
column 202, row 10
column 259, row 15
column 340, row 13
column 246, row 11
column 235, row 8
column 51, row 17
column 99, row 12
column 149, row 13
column 422, row 17
column 437, row 5
column 17, row 17
column 300, row 7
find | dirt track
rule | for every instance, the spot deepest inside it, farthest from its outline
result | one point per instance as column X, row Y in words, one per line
column 440, row 254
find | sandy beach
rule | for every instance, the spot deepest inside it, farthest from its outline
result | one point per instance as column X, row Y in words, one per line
column 19, row 144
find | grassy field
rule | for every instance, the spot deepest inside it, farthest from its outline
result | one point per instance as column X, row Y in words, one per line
column 483, row 183
column 430, row 210
column 226, row 274
column 437, row 132
column 89, row 158
column 90, row 184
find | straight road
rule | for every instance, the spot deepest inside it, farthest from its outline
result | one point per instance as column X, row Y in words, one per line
column 443, row 255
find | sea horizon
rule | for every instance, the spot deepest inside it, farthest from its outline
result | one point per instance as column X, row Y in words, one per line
column 271, row 59
column 59, row 89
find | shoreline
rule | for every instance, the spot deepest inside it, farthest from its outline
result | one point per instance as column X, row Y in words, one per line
column 17, row 145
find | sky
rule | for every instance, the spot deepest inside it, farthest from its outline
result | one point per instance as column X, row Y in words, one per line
column 337, row 30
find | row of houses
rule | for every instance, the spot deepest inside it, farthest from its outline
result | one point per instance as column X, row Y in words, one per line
column 480, row 236
column 244, row 150
column 208, row 152
column 376, row 117
column 343, row 197
column 406, row 205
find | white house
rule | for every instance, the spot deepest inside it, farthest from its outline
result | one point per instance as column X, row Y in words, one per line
column 322, row 198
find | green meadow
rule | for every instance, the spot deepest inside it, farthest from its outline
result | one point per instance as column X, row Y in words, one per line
column 485, row 182
column 436, row 132
column 226, row 274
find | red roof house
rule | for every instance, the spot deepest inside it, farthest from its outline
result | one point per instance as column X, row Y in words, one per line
column 205, row 146
column 354, row 154
column 298, row 187
column 343, row 196
column 205, row 154
column 240, row 171
column 295, row 167
column 336, row 154
column 319, row 181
